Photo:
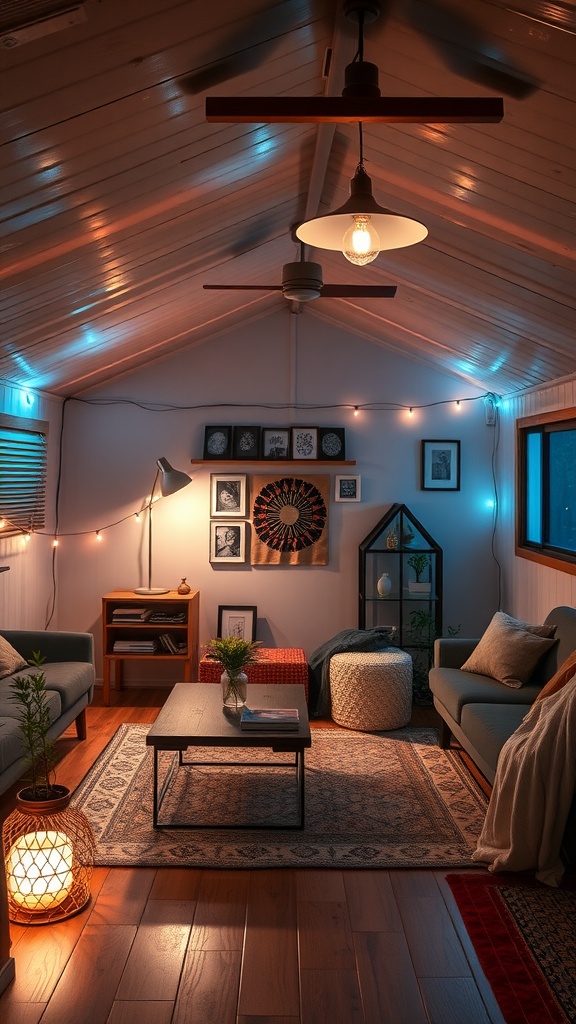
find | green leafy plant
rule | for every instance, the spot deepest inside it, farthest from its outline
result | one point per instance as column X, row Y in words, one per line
column 422, row 633
column 418, row 563
column 233, row 653
column 29, row 692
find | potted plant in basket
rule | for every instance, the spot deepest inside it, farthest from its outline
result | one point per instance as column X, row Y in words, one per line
column 29, row 692
column 48, row 846
column 419, row 563
column 234, row 654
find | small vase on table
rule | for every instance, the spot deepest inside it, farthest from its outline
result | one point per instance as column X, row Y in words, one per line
column 234, row 690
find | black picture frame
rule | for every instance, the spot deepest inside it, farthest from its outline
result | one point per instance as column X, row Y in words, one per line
column 440, row 465
column 304, row 443
column 275, row 443
column 237, row 620
column 217, row 442
column 246, row 442
column 332, row 443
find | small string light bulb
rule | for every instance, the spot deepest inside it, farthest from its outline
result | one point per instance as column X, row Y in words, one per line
column 458, row 405
column 55, row 542
column 137, row 517
column 356, row 410
column 410, row 411
column 98, row 535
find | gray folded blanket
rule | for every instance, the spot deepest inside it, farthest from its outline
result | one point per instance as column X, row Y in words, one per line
column 376, row 639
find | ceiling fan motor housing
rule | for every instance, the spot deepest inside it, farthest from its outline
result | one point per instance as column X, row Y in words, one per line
column 301, row 281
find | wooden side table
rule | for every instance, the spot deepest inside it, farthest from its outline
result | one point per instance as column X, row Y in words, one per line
column 142, row 628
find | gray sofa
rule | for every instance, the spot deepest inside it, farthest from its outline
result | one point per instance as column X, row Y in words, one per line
column 69, row 669
column 482, row 714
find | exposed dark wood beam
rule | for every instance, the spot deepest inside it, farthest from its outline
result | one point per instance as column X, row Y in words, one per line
column 345, row 109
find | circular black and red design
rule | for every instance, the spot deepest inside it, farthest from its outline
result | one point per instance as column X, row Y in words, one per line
column 289, row 514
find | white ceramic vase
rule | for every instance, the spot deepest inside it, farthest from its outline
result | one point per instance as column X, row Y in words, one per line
column 384, row 585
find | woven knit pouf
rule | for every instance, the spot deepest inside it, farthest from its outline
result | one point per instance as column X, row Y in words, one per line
column 371, row 691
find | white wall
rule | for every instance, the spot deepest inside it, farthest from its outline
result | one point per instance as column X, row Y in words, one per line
column 284, row 360
column 531, row 590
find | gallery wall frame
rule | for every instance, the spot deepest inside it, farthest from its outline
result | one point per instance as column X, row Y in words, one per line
column 227, row 541
column 246, row 443
column 304, row 442
column 347, row 488
column 228, row 493
column 217, row 442
column 275, row 442
column 440, row 465
column 237, row 620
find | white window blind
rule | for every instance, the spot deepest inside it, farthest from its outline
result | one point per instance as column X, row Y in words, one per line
column 23, row 453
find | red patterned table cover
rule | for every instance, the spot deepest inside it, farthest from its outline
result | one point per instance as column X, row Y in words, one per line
column 274, row 665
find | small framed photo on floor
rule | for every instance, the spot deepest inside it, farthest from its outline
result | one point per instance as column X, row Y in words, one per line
column 237, row 620
column 227, row 542
column 440, row 466
column 227, row 495
column 347, row 488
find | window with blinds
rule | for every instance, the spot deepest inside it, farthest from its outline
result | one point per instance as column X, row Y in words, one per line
column 23, row 455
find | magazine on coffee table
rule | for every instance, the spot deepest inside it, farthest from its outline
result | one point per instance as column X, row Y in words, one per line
column 269, row 718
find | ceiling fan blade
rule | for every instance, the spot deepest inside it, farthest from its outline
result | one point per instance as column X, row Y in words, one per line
column 357, row 291
column 467, row 49
column 347, row 109
column 243, row 287
column 247, row 49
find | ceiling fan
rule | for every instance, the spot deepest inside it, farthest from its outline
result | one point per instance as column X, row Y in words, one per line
column 302, row 282
column 361, row 99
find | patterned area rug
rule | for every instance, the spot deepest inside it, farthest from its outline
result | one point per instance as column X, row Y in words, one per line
column 372, row 800
column 524, row 935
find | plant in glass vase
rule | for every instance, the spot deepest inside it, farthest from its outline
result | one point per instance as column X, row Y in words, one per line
column 234, row 654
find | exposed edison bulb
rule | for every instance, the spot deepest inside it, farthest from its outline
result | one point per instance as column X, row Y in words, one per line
column 361, row 244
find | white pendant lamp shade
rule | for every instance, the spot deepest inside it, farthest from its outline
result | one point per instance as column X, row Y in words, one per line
column 359, row 217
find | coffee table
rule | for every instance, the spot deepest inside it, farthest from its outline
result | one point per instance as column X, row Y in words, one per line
column 193, row 717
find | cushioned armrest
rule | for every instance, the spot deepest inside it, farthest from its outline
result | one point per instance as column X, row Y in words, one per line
column 53, row 646
column 452, row 652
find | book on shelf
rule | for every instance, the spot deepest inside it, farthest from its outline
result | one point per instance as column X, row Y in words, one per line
column 131, row 614
column 269, row 718
column 135, row 646
column 168, row 618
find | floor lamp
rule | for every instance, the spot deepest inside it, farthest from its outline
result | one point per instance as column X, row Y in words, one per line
column 171, row 480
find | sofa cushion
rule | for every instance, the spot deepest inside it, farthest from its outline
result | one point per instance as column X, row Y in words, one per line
column 10, row 660
column 510, row 650
column 10, row 709
column 10, row 742
column 71, row 679
column 454, row 688
column 489, row 726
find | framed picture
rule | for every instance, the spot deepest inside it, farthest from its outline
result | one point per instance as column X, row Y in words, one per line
column 246, row 443
column 304, row 442
column 275, row 443
column 237, row 620
column 227, row 542
column 227, row 495
column 440, row 466
column 331, row 443
column 347, row 488
column 217, row 442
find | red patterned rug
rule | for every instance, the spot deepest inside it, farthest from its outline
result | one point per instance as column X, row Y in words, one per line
column 524, row 935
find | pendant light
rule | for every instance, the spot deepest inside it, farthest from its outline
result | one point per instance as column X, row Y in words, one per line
column 361, row 228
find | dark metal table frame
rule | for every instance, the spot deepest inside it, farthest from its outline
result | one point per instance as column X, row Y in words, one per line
column 203, row 695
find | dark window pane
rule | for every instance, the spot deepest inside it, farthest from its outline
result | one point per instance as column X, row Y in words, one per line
column 562, row 491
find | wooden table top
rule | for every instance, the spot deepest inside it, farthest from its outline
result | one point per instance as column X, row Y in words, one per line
column 193, row 716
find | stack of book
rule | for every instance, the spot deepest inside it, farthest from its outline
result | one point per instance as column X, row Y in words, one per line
column 135, row 646
column 171, row 644
column 269, row 718
column 174, row 617
column 131, row 614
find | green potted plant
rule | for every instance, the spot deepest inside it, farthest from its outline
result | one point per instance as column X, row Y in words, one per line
column 29, row 692
column 419, row 563
column 234, row 654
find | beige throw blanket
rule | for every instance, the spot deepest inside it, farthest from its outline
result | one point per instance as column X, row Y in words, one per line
column 533, row 791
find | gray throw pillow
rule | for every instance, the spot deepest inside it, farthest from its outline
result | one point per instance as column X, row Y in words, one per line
column 10, row 660
column 510, row 650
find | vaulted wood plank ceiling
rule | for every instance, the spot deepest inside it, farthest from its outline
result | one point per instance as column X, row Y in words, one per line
column 118, row 201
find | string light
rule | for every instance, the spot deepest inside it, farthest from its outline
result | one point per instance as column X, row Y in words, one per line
column 55, row 542
column 356, row 410
column 98, row 535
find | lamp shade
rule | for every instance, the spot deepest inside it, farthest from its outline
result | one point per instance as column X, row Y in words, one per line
column 394, row 231
column 171, row 480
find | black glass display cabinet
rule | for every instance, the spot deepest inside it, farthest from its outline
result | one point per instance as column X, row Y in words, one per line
column 400, row 585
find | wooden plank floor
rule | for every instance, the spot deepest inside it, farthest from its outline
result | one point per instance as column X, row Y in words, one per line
column 192, row 946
